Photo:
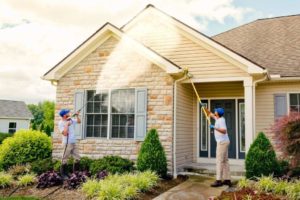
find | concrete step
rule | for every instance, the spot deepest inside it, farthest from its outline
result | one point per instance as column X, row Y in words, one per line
column 210, row 169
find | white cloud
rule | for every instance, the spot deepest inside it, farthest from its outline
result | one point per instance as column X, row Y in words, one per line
column 35, row 35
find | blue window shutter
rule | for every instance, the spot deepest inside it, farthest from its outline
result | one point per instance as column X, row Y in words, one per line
column 280, row 105
column 79, row 100
column 140, row 113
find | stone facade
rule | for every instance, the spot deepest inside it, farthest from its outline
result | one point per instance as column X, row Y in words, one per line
column 85, row 75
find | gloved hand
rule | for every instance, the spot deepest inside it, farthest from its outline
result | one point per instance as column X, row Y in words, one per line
column 212, row 126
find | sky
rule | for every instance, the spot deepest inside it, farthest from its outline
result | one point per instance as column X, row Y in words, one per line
column 37, row 34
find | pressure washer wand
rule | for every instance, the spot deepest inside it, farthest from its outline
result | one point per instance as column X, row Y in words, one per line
column 189, row 76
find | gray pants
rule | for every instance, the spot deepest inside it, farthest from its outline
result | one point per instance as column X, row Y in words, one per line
column 71, row 150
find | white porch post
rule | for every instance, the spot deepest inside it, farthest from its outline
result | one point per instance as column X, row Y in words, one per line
column 249, row 114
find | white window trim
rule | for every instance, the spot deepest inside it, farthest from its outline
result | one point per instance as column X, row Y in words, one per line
column 109, row 127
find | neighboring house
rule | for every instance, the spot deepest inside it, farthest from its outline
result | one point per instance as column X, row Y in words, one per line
column 253, row 71
column 14, row 115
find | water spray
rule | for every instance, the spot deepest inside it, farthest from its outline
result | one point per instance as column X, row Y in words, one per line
column 190, row 76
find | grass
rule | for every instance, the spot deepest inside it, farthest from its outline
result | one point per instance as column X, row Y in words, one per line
column 6, row 180
column 26, row 180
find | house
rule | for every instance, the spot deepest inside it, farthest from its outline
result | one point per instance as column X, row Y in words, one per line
column 130, row 79
column 14, row 115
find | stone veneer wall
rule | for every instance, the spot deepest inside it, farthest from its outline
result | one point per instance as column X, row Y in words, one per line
column 85, row 76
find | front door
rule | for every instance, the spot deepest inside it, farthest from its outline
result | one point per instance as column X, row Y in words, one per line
column 229, row 108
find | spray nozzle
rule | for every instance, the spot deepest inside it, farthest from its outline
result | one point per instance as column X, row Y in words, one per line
column 186, row 73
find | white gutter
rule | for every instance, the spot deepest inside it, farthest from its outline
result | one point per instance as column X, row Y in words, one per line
column 174, row 126
column 254, row 101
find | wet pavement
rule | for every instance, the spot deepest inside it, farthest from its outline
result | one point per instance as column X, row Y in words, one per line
column 195, row 188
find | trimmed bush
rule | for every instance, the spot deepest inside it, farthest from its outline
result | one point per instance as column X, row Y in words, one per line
column 152, row 155
column 85, row 163
column 25, row 146
column 112, row 164
column 41, row 166
column 3, row 136
column 261, row 158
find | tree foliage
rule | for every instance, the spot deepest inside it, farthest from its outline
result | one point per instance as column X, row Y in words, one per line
column 43, row 114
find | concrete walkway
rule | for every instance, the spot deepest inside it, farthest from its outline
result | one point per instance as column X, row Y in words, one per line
column 195, row 188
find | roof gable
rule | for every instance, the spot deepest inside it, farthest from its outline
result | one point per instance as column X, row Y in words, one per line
column 95, row 40
column 197, row 37
column 14, row 109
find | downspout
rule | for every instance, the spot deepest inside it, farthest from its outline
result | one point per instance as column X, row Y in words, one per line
column 174, row 125
column 254, row 100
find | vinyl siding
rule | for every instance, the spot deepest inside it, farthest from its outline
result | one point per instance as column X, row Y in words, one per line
column 184, row 125
column 265, row 101
column 170, row 43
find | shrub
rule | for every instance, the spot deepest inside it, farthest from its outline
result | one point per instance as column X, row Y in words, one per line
column 76, row 179
column 85, row 163
column 244, row 183
column 19, row 169
column 266, row 184
column 261, row 158
column 41, row 166
column 293, row 191
column 91, row 188
column 112, row 164
column 5, row 180
column 152, row 155
column 3, row 136
column 125, row 186
column 49, row 179
column 24, row 147
column 26, row 180
column 287, row 129
column 281, row 187
column 56, row 165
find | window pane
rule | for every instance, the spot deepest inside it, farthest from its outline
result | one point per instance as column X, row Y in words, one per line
column 97, row 107
column 89, row 131
column 294, row 100
column 115, row 132
column 123, row 120
column 97, row 120
column 104, row 120
column 104, row 131
column 97, row 97
column 12, row 125
column 97, row 131
column 130, row 131
column 122, row 132
column 90, row 107
column 294, row 108
column 130, row 120
column 90, row 95
column 11, row 131
column 90, row 119
column 115, row 120
column 242, row 127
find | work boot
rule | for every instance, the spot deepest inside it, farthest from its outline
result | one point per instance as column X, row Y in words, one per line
column 76, row 166
column 227, row 182
column 217, row 183
column 63, row 171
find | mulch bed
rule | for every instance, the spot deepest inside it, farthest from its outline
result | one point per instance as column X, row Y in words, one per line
column 59, row 193
column 247, row 192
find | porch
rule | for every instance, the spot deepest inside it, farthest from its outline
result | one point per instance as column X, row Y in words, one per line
column 194, row 143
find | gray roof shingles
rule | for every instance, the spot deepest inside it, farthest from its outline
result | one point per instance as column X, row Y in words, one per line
column 14, row 109
column 273, row 43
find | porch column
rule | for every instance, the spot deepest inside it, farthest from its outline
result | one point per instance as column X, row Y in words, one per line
column 249, row 126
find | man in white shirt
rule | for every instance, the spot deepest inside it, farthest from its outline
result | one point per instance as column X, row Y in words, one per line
column 222, row 139
column 66, row 127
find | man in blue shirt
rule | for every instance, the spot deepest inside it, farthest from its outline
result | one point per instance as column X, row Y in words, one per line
column 66, row 127
column 222, row 139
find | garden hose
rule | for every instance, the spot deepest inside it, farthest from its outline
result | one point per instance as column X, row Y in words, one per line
column 189, row 76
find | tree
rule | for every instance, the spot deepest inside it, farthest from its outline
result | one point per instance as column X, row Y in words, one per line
column 43, row 114
column 152, row 155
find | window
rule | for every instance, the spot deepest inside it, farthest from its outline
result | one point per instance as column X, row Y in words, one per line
column 204, row 130
column 122, row 113
column 295, row 102
column 114, row 116
column 97, row 114
column 12, row 127
column 242, row 127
